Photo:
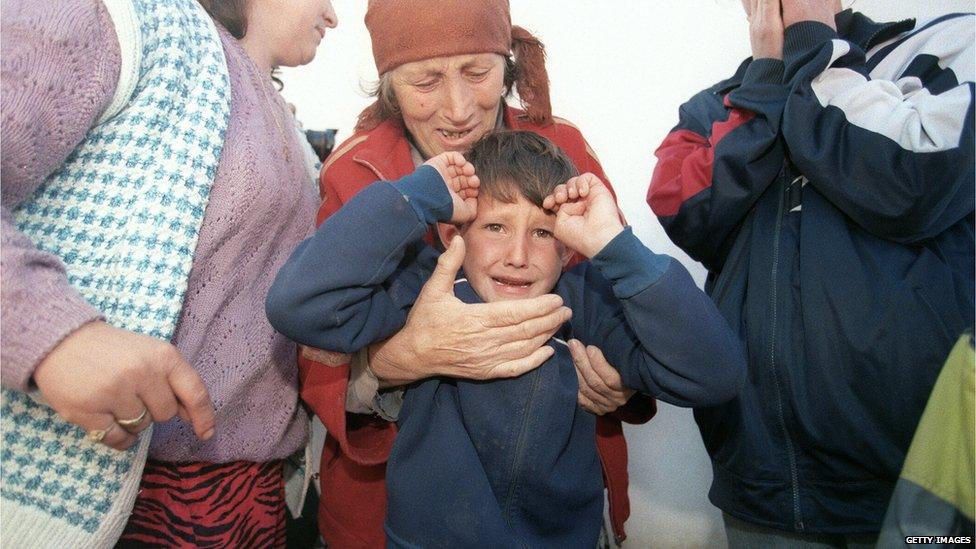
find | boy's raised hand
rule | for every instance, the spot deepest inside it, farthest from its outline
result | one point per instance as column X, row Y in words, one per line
column 586, row 215
column 461, row 182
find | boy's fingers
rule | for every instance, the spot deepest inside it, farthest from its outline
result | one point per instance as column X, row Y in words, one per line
column 572, row 208
column 454, row 158
column 570, row 188
column 584, row 187
column 590, row 406
column 595, row 388
column 559, row 193
column 602, row 368
column 600, row 401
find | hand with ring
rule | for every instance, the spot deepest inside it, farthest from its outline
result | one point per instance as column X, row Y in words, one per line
column 131, row 425
column 115, row 383
column 134, row 422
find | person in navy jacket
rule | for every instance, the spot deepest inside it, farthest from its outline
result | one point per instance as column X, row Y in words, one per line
column 508, row 462
column 828, row 189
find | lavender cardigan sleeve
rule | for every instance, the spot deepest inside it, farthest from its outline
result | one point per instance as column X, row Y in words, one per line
column 58, row 72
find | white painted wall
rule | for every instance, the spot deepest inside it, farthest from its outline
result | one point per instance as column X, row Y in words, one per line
column 619, row 71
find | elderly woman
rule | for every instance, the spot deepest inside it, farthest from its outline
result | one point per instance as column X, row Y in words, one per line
column 445, row 70
column 146, row 159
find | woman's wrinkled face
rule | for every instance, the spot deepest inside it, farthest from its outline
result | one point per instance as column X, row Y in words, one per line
column 291, row 30
column 448, row 103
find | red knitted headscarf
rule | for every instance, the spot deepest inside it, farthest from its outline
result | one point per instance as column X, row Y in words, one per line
column 403, row 31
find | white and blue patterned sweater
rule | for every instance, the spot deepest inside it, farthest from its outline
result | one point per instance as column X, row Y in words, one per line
column 123, row 214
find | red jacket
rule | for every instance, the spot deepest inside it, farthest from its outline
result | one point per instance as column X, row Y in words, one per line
column 353, row 467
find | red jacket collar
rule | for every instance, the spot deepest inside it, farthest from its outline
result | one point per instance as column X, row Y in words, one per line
column 387, row 150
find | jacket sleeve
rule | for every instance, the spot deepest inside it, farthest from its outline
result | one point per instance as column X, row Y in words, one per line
column 352, row 282
column 662, row 333
column 715, row 164
column 58, row 72
column 324, row 375
column 889, row 141
column 639, row 408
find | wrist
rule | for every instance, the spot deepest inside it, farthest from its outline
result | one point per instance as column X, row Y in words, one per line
column 54, row 357
column 603, row 237
column 425, row 191
column 817, row 16
column 629, row 265
column 383, row 360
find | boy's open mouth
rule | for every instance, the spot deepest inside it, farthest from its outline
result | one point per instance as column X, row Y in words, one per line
column 511, row 282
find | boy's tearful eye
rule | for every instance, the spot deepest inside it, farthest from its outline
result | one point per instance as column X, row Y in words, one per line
column 542, row 233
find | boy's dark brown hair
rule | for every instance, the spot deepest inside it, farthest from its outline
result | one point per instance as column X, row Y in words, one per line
column 513, row 163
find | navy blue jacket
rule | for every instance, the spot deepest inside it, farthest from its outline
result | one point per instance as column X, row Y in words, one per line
column 831, row 197
column 509, row 462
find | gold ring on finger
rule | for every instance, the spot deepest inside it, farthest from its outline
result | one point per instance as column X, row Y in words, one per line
column 134, row 421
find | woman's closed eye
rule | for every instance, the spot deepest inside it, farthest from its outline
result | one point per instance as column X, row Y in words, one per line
column 426, row 84
column 477, row 75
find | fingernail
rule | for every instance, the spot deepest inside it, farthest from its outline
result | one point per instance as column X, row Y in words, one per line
column 208, row 434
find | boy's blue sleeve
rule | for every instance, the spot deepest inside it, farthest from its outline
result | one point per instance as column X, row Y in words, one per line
column 353, row 281
column 652, row 323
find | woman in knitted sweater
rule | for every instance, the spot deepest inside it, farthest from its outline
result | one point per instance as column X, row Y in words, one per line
column 219, row 366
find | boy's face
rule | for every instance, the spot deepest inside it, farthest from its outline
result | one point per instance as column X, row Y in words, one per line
column 511, row 252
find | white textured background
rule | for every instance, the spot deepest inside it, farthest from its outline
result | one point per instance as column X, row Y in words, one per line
column 619, row 71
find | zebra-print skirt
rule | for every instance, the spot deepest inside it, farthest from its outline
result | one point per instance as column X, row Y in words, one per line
column 238, row 504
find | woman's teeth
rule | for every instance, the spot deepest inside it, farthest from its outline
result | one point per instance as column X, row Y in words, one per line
column 454, row 135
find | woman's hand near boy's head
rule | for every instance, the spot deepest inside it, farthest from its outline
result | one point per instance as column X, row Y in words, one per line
column 587, row 218
column 461, row 182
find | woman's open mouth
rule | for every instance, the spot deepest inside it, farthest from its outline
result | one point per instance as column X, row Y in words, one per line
column 453, row 136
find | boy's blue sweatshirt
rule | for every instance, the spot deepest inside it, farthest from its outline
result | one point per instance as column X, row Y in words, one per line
column 509, row 462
